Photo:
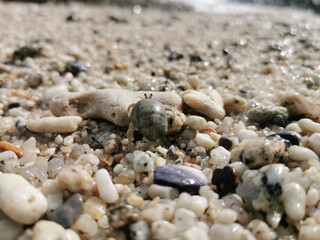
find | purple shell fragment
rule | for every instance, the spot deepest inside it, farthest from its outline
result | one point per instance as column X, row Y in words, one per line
column 186, row 179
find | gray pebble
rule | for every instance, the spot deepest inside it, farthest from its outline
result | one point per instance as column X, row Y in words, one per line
column 266, row 114
column 67, row 213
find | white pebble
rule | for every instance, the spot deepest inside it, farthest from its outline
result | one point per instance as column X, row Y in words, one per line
column 52, row 92
column 95, row 207
column 196, row 122
column 58, row 139
column 9, row 229
column 313, row 143
column 6, row 124
column 195, row 203
column 239, row 168
column 103, row 222
column 158, row 211
column 184, row 219
column 143, row 162
column 156, row 190
column 298, row 153
column 195, row 233
column 226, row 216
column 106, row 188
column 246, row 134
column 47, row 230
column 67, row 141
column 293, row 127
column 220, row 156
column 69, row 234
column 204, row 140
column 163, row 230
column 312, row 197
column 309, row 232
column 29, row 148
column 307, row 125
column 294, row 201
column 19, row 200
column 86, row 225
column 65, row 124
column 229, row 231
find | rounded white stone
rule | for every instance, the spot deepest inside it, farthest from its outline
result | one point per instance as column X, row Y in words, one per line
column 229, row 231
column 163, row 230
column 196, row 122
column 219, row 156
column 309, row 232
column 312, row 197
column 196, row 203
column 307, row 125
column 298, row 153
column 86, row 225
column 195, row 233
column 47, row 230
column 19, row 200
column 52, row 92
column 106, row 188
column 64, row 124
column 184, row 219
column 246, row 134
column 293, row 127
column 95, row 207
column 226, row 216
column 9, row 230
column 156, row 190
column 69, row 234
column 294, row 201
column 204, row 140
column 313, row 143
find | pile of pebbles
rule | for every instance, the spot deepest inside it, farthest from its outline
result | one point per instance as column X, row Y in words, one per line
column 120, row 123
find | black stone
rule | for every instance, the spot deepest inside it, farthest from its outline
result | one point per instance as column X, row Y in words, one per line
column 14, row 105
column 66, row 214
column 77, row 66
column 32, row 50
column 195, row 58
column 279, row 121
column 225, row 142
column 117, row 19
column 291, row 137
column 137, row 136
column 175, row 56
column 225, row 180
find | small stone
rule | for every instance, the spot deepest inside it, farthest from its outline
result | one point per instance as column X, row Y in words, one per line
column 219, row 157
column 279, row 121
column 246, row 134
column 86, row 226
column 313, row 143
column 265, row 114
column 21, row 125
column 10, row 230
column 175, row 56
column 263, row 188
column 122, row 215
column 43, row 229
column 309, row 232
column 204, row 140
column 95, row 207
column 294, row 201
column 165, row 192
column 226, row 216
column 225, row 142
column 139, row 231
column 208, row 102
column 32, row 50
column 53, row 92
column 225, row 180
column 34, row 79
column 143, row 163
column 195, row 58
column 291, row 137
column 163, row 230
column 8, row 161
column 312, row 197
column 158, row 211
column 106, row 188
column 77, row 66
column 75, row 180
column 14, row 105
column 66, row 214
column 184, row 219
column 181, row 177
column 234, row 104
column 19, row 200
column 300, row 107
column 261, row 230
column 6, row 146
column 196, row 122
column 73, row 17
column 297, row 153
column 309, row 126
column 195, row 233
column 232, row 231
column 65, row 124
column 198, row 206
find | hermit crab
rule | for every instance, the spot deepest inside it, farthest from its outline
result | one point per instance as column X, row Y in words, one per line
column 153, row 119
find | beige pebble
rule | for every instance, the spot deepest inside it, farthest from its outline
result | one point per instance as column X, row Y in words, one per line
column 232, row 231
column 75, row 180
column 95, row 207
column 196, row 122
column 163, row 230
column 158, row 211
column 309, row 232
column 134, row 200
column 309, row 126
column 184, row 219
column 19, row 200
column 106, row 188
column 85, row 225
column 69, row 234
column 107, row 104
column 9, row 229
column 204, row 140
column 294, row 201
column 313, row 143
column 299, row 154
column 156, row 190
column 198, row 206
column 312, row 197
column 226, row 216
column 233, row 103
column 195, row 233
column 298, row 106
column 47, row 230
column 207, row 102
column 261, row 230
column 65, row 124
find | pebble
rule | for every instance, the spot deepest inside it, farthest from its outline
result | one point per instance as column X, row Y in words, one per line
column 9, row 229
column 95, row 207
column 313, row 143
column 196, row 123
column 107, row 104
column 32, row 203
column 261, row 230
column 297, row 153
column 198, row 206
column 163, row 230
column 232, row 231
column 162, row 192
column 291, row 137
column 309, row 126
column 106, row 188
column 139, row 231
column 204, row 140
column 34, row 79
column 142, row 162
column 75, row 180
column 309, row 232
column 181, row 177
column 32, row 50
column 226, row 216
column 294, row 201
column 220, row 157
column 8, row 161
column 184, row 219
column 158, row 211
column 312, row 197
column 225, row 142
column 66, row 214
column 225, row 180
column 65, row 124
column 260, row 151
column 86, row 226
column 293, row 127
column 47, row 230
column 279, row 121
column 77, row 66
column 265, row 114
column 122, row 215
column 263, row 188
column 53, row 92
column 234, row 104
column 195, row 233
column 6, row 146
column 246, row 134
column 208, row 102
column 298, row 106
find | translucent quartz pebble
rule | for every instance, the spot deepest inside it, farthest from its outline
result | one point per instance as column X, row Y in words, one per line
column 67, row 213
column 263, row 188
column 181, row 177
column 291, row 137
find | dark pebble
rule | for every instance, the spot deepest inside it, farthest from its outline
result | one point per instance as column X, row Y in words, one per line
column 14, row 105
column 137, row 136
column 279, row 121
column 171, row 154
column 32, row 50
column 225, row 142
column 291, row 137
column 66, row 214
column 195, row 58
column 77, row 66
column 183, row 178
column 117, row 19
column 21, row 125
column 175, row 56
column 225, row 180
column 73, row 17
column 123, row 215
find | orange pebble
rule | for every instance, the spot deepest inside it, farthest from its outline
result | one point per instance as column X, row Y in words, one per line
column 206, row 130
column 6, row 146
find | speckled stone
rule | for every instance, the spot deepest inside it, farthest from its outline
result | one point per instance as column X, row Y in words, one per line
column 265, row 114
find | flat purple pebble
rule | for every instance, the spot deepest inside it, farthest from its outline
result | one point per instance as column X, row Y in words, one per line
column 185, row 179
